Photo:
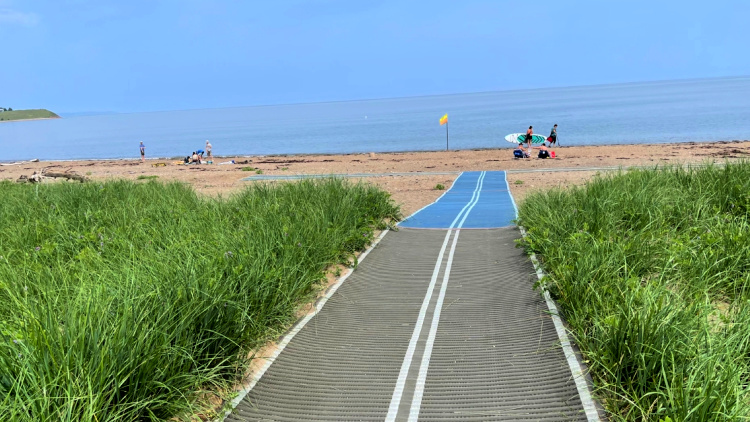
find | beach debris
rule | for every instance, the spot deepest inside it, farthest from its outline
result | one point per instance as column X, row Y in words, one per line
column 159, row 165
column 39, row 177
column 228, row 162
column 372, row 155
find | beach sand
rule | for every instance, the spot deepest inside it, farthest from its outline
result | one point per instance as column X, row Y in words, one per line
column 413, row 191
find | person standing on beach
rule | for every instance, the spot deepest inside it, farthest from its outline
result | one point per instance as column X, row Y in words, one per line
column 209, row 157
column 143, row 152
column 553, row 135
column 529, row 136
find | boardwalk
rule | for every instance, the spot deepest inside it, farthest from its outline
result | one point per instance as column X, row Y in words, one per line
column 438, row 323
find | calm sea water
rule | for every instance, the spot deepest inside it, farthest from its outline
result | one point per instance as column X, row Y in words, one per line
column 655, row 112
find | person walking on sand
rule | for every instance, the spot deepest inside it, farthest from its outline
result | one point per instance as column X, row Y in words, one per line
column 529, row 136
column 209, row 156
column 143, row 152
column 553, row 136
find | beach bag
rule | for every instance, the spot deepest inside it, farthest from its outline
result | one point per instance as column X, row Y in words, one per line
column 549, row 139
column 552, row 154
column 543, row 154
column 518, row 153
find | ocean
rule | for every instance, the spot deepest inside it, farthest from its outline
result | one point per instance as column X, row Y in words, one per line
column 634, row 113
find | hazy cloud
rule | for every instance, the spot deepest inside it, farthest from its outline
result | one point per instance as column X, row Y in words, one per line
column 11, row 16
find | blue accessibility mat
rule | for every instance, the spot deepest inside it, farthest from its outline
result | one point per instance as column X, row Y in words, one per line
column 477, row 200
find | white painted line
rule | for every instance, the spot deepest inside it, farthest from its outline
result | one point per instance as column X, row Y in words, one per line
column 589, row 407
column 416, row 402
column 287, row 338
column 398, row 390
column 512, row 201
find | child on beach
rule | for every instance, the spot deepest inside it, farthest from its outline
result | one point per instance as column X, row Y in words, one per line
column 143, row 152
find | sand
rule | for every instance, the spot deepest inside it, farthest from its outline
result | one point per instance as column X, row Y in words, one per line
column 413, row 191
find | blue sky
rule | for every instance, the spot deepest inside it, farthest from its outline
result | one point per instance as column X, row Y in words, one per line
column 129, row 56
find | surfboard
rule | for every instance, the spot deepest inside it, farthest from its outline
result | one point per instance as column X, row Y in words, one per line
column 516, row 138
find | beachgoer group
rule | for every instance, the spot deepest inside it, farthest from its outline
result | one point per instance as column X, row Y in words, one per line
column 544, row 151
column 195, row 158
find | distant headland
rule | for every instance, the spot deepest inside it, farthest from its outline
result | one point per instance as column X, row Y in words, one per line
column 8, row 114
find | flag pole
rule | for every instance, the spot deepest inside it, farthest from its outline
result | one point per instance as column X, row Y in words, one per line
column 446, row 135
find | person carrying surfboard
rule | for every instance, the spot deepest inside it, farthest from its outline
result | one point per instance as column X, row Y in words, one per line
column 529, row 136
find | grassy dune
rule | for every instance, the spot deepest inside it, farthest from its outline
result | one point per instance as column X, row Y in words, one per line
column 651, row 269
column 122, row 301
column 27, row 115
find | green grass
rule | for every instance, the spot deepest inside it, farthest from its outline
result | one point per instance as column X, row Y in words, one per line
column 651, row 269
column 27, row 114
column 248, row 168
column 439, row 187
column 145, row 177
column 124, row 301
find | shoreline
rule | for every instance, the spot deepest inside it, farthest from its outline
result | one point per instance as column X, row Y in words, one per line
column 414, row 187
column 504, row 146
column 28, row 120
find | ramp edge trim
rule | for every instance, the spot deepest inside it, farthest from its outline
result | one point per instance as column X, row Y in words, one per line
column 297, row 328
column 589, row 406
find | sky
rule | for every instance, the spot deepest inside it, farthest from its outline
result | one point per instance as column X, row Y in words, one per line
column 73, row 56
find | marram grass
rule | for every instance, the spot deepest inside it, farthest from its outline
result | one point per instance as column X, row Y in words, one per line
column 651, row 269
column 125, row 301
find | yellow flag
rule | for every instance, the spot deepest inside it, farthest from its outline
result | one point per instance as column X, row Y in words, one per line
column 444, row 119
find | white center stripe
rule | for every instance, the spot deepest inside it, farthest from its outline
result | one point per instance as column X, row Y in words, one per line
column 406, row 365
column 416, row 403
column 399, row 390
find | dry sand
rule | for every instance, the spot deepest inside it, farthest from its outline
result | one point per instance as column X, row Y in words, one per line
column 412, row 191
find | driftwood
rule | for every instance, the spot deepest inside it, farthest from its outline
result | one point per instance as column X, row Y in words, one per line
column 69, row 176
column 39, row 177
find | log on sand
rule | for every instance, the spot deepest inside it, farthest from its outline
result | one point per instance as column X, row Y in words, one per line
column 69, row 176
column 38, row 177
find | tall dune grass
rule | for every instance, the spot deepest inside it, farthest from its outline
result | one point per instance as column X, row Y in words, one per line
column 123, row 301
column 651, row 270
